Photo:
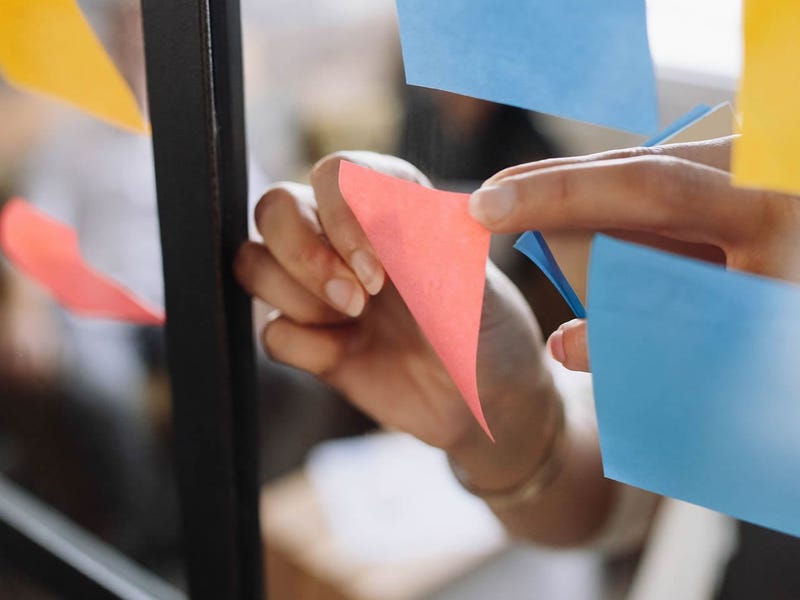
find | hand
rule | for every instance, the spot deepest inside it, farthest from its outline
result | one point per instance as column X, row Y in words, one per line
column 344, row 322
column 678, row 198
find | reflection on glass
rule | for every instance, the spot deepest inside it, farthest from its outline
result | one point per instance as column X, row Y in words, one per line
column 85, row 402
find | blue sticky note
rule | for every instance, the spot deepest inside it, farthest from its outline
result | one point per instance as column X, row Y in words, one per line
column 532, row 245
column 696, row 381
column 583, row 59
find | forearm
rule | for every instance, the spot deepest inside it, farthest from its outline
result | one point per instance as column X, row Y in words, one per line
column 573, row 507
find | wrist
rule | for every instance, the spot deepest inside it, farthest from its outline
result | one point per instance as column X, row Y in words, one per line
column 534, row 483
column 524, row 434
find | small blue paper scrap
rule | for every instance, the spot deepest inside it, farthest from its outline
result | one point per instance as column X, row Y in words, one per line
column 532, row 245
column 582, row 59
column 696, row 381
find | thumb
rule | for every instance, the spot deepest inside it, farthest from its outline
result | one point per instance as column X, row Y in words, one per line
column 568, row 345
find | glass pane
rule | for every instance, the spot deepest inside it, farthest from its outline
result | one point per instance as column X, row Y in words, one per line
column 84, row 401
column 324, row 76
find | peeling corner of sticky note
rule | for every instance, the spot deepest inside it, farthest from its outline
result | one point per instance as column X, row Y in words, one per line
column 435, row 253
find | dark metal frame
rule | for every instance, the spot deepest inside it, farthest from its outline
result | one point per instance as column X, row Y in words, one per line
column 195, row 87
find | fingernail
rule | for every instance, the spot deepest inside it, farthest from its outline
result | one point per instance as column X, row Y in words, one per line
column 368, row 270
column 346, row 296
column 492, row 203
column 556, row 346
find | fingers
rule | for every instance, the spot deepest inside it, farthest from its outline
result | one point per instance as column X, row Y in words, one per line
column 345, row 234
column 338, row 221
column 653, row 194
column 317, row 350
column 262, row 277
column 286, row 218
column 314, row 242
column 714, row 153
column 569, row 347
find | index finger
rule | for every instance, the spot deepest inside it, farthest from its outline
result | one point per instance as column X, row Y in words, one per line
column 654, row 194
column 337, row 220
column 712, row 153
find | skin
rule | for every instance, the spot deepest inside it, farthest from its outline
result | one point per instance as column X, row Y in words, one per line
column 343, row 321
column 677, row 198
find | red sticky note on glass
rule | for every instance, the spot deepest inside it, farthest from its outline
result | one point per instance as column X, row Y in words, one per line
column 435, row 253
column 48, row 252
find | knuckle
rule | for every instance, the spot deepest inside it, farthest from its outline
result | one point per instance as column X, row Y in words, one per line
column 640, row 172
column 313, row 256
column 309, row 253
column 771, row 214
column 557, row 188
column 663, row 179
column 561, row 188
column 329, row 360
column 665, row 172
column 775, row 210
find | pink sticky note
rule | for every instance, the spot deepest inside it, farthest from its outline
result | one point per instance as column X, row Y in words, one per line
column 48, row 252
column 435, row 254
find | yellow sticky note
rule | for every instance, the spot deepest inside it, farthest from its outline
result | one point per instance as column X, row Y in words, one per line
column 768, row 153
column 47, row 46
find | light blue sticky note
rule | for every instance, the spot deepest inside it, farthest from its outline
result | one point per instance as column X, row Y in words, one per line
column 532, row 245
column 697, row 384
column 583, row 59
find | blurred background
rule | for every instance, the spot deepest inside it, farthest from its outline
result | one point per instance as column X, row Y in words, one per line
column 84, row 405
